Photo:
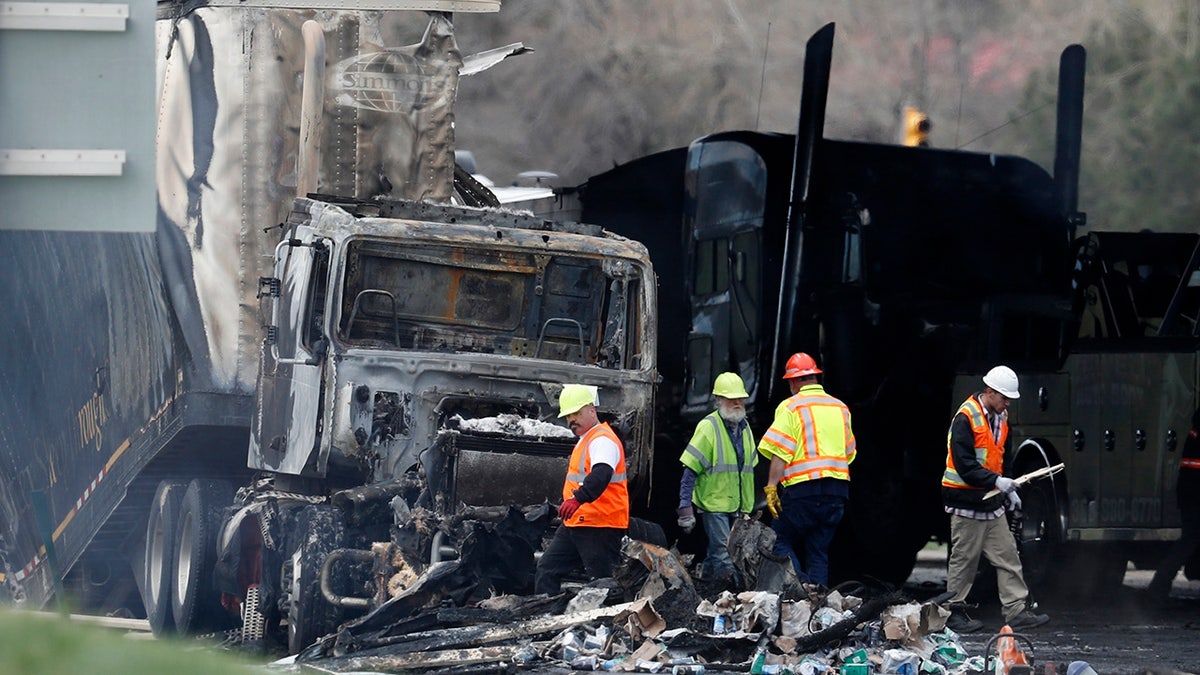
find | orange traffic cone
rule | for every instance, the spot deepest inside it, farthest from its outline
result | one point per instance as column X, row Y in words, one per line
column 1010, row 659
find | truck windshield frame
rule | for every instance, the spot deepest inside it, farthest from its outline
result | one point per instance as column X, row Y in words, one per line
column 459, row 297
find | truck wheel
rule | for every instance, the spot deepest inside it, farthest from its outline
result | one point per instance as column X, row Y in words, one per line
column 1040, row 534
column 1040, row 537
column 319, row 531
column 195, row 605
column 160, row 549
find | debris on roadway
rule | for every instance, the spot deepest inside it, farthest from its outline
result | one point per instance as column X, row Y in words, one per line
column 651, row 617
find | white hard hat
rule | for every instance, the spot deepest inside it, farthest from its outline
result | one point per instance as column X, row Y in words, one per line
column 1003, row 380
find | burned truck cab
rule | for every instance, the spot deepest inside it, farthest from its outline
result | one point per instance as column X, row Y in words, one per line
column 410, row 369
column 396, row 326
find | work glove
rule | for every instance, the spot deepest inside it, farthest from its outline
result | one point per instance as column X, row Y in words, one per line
column 1005, row 484
column 568, row 508
column 773, row 503
column 686, row 518
column 1014, row 501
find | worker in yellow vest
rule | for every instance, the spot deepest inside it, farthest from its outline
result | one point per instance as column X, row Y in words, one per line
column 810, row 445
column 718, row 475
column 595, row 507
column 978, row 522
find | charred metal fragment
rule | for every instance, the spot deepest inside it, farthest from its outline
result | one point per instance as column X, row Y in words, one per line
column 468, row 635
column 372, row 503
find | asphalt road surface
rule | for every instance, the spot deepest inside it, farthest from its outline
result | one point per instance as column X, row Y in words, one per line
column 1117, row 633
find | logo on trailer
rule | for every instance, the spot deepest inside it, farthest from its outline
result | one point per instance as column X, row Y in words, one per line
column 387, row 81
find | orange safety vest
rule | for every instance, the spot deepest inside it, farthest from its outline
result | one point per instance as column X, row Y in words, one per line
column 611, row 508
column 812, row 434
column 989, row 450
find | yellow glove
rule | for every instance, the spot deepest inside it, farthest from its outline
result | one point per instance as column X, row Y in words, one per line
column 773, row 503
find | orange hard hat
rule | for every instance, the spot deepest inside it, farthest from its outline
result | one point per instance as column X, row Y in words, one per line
column 800, row 365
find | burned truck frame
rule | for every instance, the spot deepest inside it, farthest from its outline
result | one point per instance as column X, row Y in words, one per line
column 194, row 420
column 394, row 326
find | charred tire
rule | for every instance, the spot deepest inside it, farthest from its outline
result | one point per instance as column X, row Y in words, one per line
column 647, row 531
column 195, row 604
column 159, row 567
column 319, row 531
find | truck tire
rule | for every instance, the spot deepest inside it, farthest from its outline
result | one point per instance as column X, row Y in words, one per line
column 1040, row 536
column 319, row 531
column 195, row 604
column 159, row 567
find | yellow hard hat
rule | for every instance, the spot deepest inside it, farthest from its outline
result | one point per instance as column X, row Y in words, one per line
column 574, row 397
column 729, row 385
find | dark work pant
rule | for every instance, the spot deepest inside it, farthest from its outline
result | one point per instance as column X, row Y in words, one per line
column 1178, row 554
column 596, row 549
column 809, row 521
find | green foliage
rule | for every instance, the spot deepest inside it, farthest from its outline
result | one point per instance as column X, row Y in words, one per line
column 44, row 644
column 1141, row 130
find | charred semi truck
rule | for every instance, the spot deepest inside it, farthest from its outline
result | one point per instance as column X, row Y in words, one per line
column 908, row 272
column 215, row 421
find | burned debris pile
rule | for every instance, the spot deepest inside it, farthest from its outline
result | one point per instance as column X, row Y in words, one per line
column 466, row 615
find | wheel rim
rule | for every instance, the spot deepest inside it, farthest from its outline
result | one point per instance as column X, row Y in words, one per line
column 156, row 558
column 183, row 571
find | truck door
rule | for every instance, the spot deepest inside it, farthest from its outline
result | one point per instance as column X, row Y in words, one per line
column 726, row 184
column 286, row 429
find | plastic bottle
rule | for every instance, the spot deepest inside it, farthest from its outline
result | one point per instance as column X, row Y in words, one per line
column 760, row 658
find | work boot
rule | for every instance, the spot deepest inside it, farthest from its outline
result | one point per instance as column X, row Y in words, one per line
column 960, row 622
column 1027, row 619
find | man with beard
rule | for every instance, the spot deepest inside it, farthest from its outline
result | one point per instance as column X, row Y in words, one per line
column 595, row 508
column 810, row 445
column 718, row 475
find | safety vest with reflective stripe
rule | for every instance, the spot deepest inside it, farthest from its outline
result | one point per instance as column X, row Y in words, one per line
column 611, row 508
column 721, row 485
column 812, row 435
column 989, row 450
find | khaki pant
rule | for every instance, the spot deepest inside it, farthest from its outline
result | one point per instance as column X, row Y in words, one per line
column 992, row 538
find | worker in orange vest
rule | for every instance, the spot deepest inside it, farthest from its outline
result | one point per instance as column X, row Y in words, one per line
column 810, row 445
column 978, row 522
column 595, row 507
